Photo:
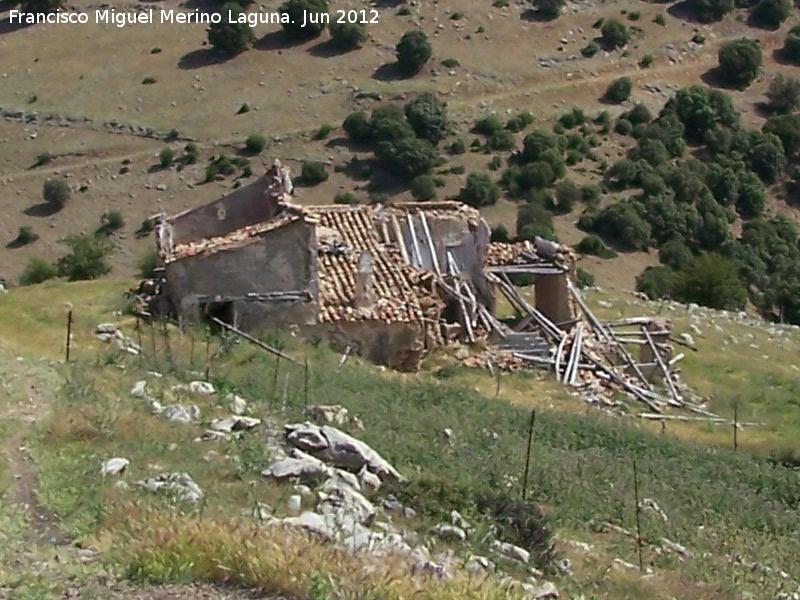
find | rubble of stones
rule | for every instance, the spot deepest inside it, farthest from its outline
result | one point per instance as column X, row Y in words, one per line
column 334, row 477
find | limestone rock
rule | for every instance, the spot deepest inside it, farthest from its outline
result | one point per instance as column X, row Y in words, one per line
column 180, row 485
column 139, row 389
column 238, row 405
column 479, row 564
column 181, row 413
column 450, row 532
column 298, row 464
column 511, row 551
column 114, row 466
column 430, row 569
column 234, row 423
column 341, row 500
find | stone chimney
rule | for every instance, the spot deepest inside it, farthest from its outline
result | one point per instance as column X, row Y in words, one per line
column 363, row 297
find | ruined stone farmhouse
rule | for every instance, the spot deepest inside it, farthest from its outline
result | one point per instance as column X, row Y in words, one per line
column 389, row 282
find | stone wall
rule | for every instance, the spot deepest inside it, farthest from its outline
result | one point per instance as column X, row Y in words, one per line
column 246, row 206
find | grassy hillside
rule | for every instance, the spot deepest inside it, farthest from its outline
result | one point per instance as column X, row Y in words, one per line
column 720, row 505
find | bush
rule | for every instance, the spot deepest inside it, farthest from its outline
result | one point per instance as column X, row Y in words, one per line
column 675, row 254
column 647, row 60
column 255, row 143
column 37, row 271
column 787, row 128
column 769, row 14
column 488, row 125
column 739, row 62
column 218, row 167
column 408, row 156
column 413, row 51
column 660, row 20
column 345, row 198
column 791, row 45
column 427, row 116
column 623, row 126
column 614, row 34
column 519, row 122
column 190, row 154
column 711, row 280
column 548, row 9
column 620, row 222
column 86, row 259
column 584, row 278
column 230, row 38
column 500, row 234
column 313, row 172
column 56, row 192
column 479, row 190
column 567, row 194
column 708, row 11
column 638, row 115
column 323, row 132
column 656, row 282
column 147, row 265
column 619, row 90
column 113, row 220
column 348, row 36
column 25, row 236
column 783, row 94
column 501, row 140
column 388, row 124
column 590, row 49
column 457, row 147
column 533, row 220
column 165, row 157
column 423, row 188
column 594, row 246
column 537, row 143
column 450, row 63
column 357, row 127
column 296, row 10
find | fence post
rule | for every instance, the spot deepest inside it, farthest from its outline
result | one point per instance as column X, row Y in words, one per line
column 275, row 376
column 69, row 333
column 208, row 353
column 735, row 426
column 638, row 520
column 528, row 457
column 166, row 341
column 305, row 384
column 153, row 343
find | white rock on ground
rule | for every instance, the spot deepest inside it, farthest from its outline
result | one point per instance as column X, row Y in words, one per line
column 181, row 485
column 450, row 532
column 202, row 388
column 139, row 389
column 340, row 449
column 114, row 466
column 181, row 413
column 325, row 414
column 234, row 423
column 344, row 500
column 294, row 504
column 511, row 551
column 542, row 592
column 430, row 569
column 298, row 464
column 479, row 564
column 238, row 405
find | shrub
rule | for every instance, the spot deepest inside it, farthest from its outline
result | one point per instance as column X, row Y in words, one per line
column 479, row 190
column 548, row 9
column 165, row 157
column 584, row 278
column 594, row 246
column 711, row 280
column 501, row 140
column 619, row 90
column 708, row 11
column 623, row 126
column 56, row 192
column 638, row 115
column 296, row 10
column 656, row 282
column 533, row 220
column 413, row 51
column 519, row 122
column 345, row 198
column 791, row 45
column 660, row 20
column 313, row 172
column 783, row 94
column 500, row 234
column 787, row 128
column 620, row 222
column 230, row 38
column 357, row 127
column 348, row 36
column 86, row 259
column 113, row 220
column 739, row 62
column 450, row 63
column 457, row 147
column 700, row 109
column 218, row 167
column 255, row 143
column 537, row 143
column 25, row 236
column 388, row 124
column 408, row 156
column 614, row 34
column 423, row 188
column 323, row 132
column 567, row 194
column 675, row 254
column 147, row 265
column 495, row 163
column 590, row 49
column 42, row 159
column 769, row 14
column 647, row 60
column 37, row 271
column 427, row 116
column 488, row 125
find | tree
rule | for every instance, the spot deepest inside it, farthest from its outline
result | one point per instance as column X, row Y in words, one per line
column 357, row 127
column 348, row 36
column 423, row 187
column 711, row 280
column 620, row 222
column 675, row 254
column 751, row 197
column 548, row 9
column 619, row 90
column 783, row 94
column 230, row 38
column 537, row 143
column 427, row 116
column 298, row 12
column 739, row 62
column 313, row 172
column 791, row 45
column 86, row 259
column 656, row 282
column 765, row 156
column 165, row 157
column 413, row 51
column 56, row 192
column 700, row 109
column 769, row 14
column 614, row 34
column 708, row 11
column 408, row 157
column 479, row 190
column 787, row 128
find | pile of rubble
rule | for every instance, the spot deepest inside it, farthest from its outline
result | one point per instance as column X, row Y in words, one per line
column 108, row 332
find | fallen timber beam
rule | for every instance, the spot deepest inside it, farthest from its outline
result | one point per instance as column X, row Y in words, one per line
column 661, row 364
column 253, row 340
column 682, row 343
column 401, row 242
column 607, row 334
column 572, row 370
column 630, row 321
column 524, row 308
column 716, row 420
column 414, row 240
column 431, row 245
column 559, row 353
column 636, row 391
